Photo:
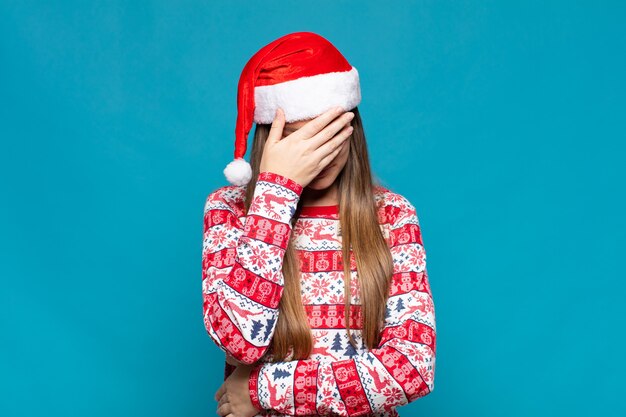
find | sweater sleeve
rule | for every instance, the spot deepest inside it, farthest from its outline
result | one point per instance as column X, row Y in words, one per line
column 242, row 280
column 400, row 370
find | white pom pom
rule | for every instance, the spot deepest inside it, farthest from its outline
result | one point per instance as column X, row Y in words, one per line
column 238, row 172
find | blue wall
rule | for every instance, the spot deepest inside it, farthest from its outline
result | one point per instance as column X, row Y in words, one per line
column 503, row 122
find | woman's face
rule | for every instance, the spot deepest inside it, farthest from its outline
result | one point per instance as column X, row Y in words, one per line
column 328, row 175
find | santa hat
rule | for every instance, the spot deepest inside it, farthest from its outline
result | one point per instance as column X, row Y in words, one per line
column 303, row 74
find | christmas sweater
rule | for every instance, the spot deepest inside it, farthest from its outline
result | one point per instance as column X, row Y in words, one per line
column 242, row 284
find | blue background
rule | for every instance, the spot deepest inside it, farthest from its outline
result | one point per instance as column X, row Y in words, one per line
column 503, row 123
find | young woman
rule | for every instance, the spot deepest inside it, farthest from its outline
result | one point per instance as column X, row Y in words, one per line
column 314, row 276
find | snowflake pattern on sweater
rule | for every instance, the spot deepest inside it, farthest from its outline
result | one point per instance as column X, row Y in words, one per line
column 242, row 284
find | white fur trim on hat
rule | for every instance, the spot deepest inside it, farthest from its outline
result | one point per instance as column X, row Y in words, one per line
column 307, row 97
column 238, row 172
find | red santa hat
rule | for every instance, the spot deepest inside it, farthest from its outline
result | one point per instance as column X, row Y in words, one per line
column 303, row 74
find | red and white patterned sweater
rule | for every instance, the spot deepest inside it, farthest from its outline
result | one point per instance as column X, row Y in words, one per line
column 242, row 283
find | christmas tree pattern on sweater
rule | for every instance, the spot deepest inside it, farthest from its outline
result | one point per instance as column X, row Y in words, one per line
column 242, row 284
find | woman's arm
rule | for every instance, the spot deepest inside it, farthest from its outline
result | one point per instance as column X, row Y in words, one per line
column 242, row 280
column 400, row 370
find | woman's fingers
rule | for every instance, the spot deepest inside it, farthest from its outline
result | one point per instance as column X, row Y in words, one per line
column 276, row 130
column 313, row 127
column 330, row 131
column 224, row 409
column 331, row 148
column 223, row 399
column 221, row 390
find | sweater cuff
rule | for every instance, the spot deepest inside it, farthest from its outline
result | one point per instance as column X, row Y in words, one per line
column 281, row 180
column 253, row 386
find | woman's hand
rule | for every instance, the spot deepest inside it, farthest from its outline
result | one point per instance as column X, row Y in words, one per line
column 307, row 151
column 233, row 397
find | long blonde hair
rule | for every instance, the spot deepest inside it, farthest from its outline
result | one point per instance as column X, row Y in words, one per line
column 361, row 233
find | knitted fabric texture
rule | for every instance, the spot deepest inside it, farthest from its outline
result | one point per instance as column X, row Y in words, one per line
column 242, row 284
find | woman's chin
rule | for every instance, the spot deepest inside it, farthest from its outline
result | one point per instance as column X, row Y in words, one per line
column 321, row 183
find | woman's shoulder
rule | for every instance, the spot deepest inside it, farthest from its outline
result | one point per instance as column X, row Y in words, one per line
column 227, row 197
column 394, row 209
column 389, row 199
